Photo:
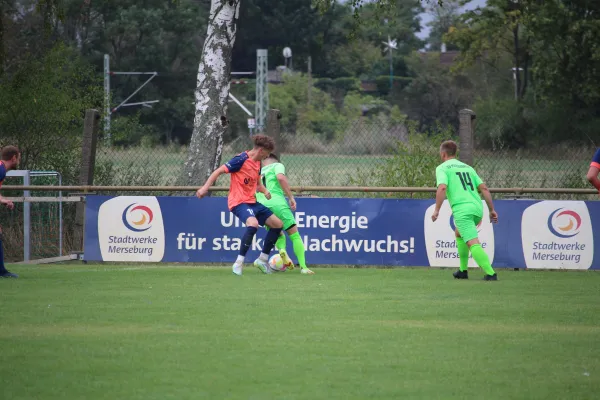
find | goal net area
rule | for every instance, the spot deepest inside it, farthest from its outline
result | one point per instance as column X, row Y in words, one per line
column 40, row 226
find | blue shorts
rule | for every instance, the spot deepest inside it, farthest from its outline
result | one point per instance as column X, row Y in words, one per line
column 245, row 210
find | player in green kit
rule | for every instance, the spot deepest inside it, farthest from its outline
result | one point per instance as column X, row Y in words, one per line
column 274, row 179
column 461, row 184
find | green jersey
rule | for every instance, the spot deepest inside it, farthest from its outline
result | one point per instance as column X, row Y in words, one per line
column 269, row 179
column 462, row 182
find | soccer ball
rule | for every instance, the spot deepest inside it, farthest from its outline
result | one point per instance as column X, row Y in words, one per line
column 276, row 263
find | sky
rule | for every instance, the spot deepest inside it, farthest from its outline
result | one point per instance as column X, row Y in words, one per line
column 425, row 18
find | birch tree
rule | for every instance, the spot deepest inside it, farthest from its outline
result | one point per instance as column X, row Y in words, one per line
column 212, row 91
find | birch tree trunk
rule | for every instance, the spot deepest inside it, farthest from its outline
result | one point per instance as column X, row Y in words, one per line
column 212, row 91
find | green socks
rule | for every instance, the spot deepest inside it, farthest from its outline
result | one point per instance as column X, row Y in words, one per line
column 298, row 249
column 463, row 254
column 481, row 258
column 281, row 242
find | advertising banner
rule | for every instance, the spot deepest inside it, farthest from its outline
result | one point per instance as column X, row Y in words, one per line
column 344, row 231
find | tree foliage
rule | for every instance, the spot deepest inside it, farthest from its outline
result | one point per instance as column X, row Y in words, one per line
column 445, row 19
column 41, row 110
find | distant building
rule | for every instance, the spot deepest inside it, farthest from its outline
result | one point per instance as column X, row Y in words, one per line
column 447, row 58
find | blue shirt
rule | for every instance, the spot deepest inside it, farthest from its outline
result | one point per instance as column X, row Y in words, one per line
column 2, row 172
column 596, row 159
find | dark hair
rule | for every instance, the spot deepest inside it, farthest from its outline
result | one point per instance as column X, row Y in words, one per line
column 9, row 152
column 264, row 141
column 449, row 147
column 273, row 156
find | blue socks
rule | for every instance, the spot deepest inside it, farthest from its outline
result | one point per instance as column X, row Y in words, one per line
column 247, row 240
column 2, row 267
column 270, row 240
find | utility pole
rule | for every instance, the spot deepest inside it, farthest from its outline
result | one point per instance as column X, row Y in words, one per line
column 107, row 108
column 309, row 78
column 107, row 97
column 262, row 89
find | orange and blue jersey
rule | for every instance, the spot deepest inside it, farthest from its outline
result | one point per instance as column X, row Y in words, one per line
column 245, row 173
column 596, row 160
column 2, row 172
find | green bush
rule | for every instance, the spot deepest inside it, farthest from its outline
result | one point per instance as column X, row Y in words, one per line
column 399, row 83
column 500, row 124
column 128, row 131
column 412, row 163
column 133, row 173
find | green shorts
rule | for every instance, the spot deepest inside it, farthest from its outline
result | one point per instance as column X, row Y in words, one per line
column 466, row 222
column 282, row 210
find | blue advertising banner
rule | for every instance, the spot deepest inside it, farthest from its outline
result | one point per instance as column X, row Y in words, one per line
column 342, row 231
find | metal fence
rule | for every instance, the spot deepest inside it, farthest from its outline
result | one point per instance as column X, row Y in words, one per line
column 36, row 229
column 367, row 152
column 363, row 152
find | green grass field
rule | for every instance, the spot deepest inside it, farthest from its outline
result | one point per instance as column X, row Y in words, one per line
column 125, row 332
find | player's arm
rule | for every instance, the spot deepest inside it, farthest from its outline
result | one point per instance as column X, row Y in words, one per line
column 285, row 185
column 7, row 203
column 260, row 188
column 203, row 191
column 4, row 201
column 487, row 196
column 594, row 171
column 440, row 194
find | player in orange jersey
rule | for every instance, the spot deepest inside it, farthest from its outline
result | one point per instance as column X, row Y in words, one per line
column 245, row 182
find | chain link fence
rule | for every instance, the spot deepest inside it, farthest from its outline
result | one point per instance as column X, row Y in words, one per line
column 365, row 152
column 361, row 152
column 503, row 159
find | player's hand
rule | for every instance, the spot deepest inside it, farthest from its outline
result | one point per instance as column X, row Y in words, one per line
column 9, row 204
column 202, row 192
column 293, row 204
column 435, row 216
column 494, row 217
column 267, row 194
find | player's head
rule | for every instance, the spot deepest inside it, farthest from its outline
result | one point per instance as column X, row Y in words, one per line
column 448, row 150
column 271, row 158
column 11, row 156
column 264, row 145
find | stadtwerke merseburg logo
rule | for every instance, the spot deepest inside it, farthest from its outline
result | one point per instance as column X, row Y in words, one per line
column 137, row 218
column 564, row 223
column 453, row 226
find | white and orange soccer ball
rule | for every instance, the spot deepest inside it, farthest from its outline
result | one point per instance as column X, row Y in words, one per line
column 276, row 263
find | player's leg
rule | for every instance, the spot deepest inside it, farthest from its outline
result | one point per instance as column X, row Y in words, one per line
column 463, row 256
column 281, row 245
column 285, row 214
column 266, row 217
column 4, row 273
column 299, row 249
column 246, row 215
column 468, row 231
column 594, row 173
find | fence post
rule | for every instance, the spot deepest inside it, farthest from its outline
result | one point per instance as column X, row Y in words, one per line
column 88, row 162
column 466, row 119
column 274, row 128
